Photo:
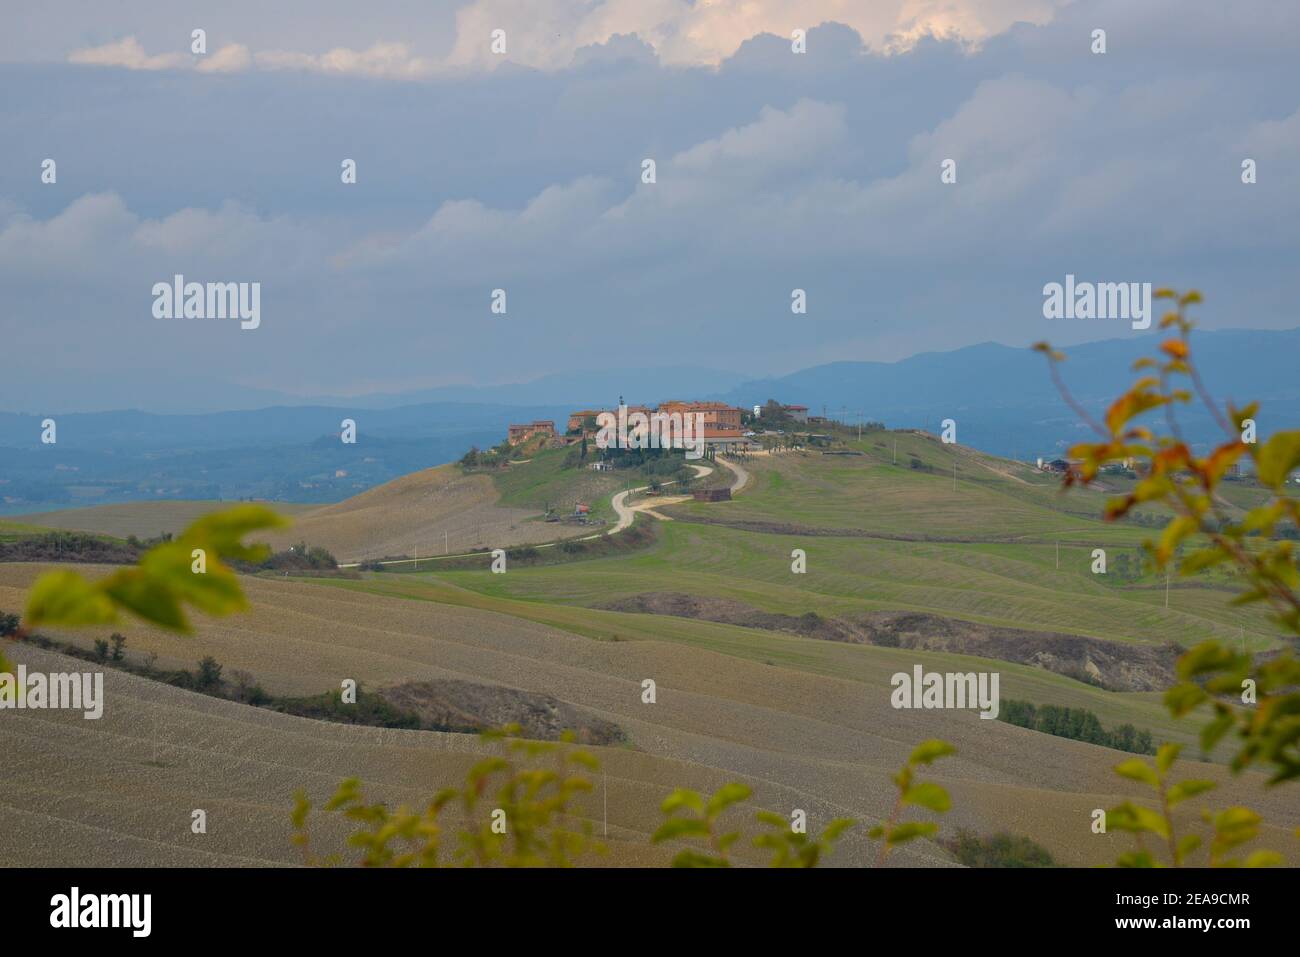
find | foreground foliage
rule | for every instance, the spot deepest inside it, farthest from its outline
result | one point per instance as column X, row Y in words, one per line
column 1254, row 702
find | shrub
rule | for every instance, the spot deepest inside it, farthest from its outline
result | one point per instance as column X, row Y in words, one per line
column 998, row 850
column 209, row 676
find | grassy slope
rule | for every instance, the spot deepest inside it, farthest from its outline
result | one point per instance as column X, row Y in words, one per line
column 544, row 482
column 11, row 531
column 985, row 552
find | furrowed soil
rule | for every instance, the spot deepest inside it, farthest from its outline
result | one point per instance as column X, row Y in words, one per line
column 825, row 742
column 428, row 513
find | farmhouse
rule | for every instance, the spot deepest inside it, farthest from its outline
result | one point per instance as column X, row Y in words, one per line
column 716, row 414
column 578, row 420
column 519, row 433
column 718, row 418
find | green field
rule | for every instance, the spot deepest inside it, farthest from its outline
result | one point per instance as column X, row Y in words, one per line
column 10, row 531
column 544, row 482
column 1001, row 549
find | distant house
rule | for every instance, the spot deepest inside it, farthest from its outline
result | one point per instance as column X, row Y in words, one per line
column 797, row 412
column 577, row 419
column 519, row 433
column 717, row 415
column 602, row 466
column 713, row 415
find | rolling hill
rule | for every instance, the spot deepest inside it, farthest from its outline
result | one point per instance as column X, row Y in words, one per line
column 778, row 679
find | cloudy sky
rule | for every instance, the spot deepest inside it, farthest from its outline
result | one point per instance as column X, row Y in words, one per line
column 522, row 171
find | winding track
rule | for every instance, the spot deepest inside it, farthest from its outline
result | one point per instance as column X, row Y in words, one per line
column 626, row 515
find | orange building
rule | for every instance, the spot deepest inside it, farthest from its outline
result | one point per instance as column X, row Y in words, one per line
column 717, row 415
column 720, row 421
column 518, row 433
column 577, row 418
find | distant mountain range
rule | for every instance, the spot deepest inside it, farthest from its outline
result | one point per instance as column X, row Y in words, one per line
column 1001, row 397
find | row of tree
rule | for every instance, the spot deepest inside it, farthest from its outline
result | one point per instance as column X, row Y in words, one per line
column 1078, row 724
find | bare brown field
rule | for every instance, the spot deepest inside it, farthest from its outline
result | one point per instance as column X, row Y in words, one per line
column 142, row 519
column 820, row 742
column 119, row 791
column 425, row 513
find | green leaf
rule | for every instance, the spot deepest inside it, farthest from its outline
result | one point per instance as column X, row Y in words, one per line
column 690, row 858
column 148, row 598
column 1205, row 657
column 1202, row 559
column 1214, row 731
column 1183, row 698
column 772, row 820
column 1264, row 859
column 1136, row 769
column 929, row 795
column 215, row 592
column 837, row 827
column 1234, row 826
column 65, row 598
column 1149, row 820
column 726, row 796
column 682, row 797
column 928, row 751
column 222, row 531
column 912, row 829
column 1277, row 457
column 680, row 827
column 1136, row 859
column 1166, row 755
column 1184, row 789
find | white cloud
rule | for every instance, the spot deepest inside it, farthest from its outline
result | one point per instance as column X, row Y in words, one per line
column 393, row 61
column 232, row 58
column 129, row 54
column 548, row 34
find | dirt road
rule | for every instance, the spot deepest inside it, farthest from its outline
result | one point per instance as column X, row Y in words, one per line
column 626, row 513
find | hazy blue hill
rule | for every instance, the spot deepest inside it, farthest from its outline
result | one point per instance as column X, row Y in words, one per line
column 1003, row 398
column 133, row 429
